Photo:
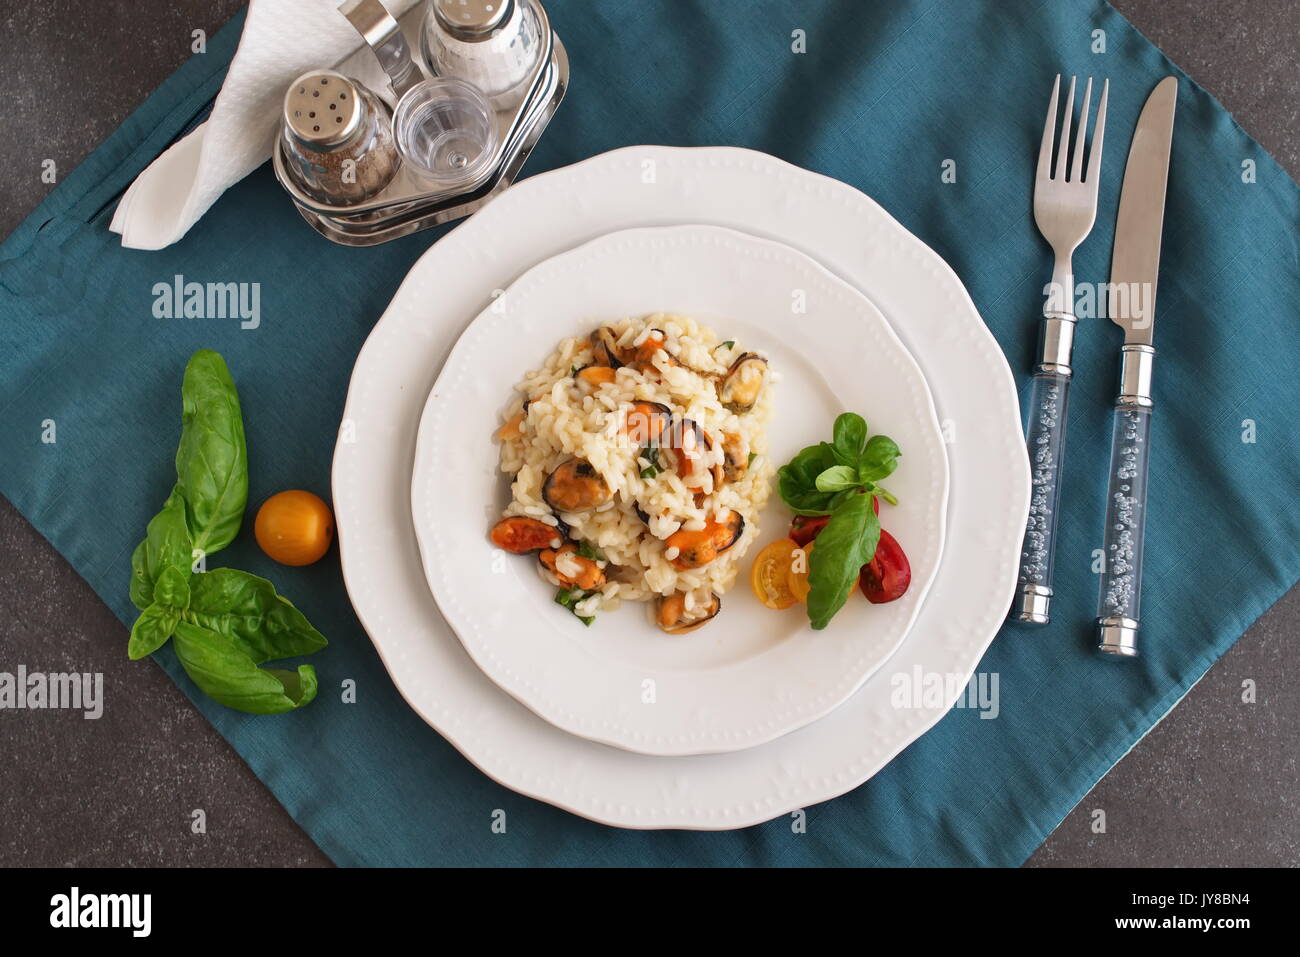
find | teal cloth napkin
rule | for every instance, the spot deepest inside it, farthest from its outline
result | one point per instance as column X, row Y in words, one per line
column 884, row 94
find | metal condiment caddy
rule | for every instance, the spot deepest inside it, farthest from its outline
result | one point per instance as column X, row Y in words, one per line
column 412, row 199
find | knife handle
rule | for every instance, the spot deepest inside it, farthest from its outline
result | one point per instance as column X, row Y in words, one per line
column 1126, row 508
column 1045, row 439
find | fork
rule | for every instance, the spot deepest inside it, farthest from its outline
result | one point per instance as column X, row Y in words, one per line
column 1065, row 207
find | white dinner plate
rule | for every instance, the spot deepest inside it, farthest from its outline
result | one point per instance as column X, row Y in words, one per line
column 751, row 674
column 857, row 240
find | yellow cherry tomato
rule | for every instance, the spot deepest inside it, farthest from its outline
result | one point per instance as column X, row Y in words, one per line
column 770, row 575
column 294, row 527
column 798, row 575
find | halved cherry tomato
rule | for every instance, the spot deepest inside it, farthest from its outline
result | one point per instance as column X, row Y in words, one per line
column 804, row 528
column 798, row 577
column 885, row 577
column 294, row 527
column 520, row 535
column 769, row 577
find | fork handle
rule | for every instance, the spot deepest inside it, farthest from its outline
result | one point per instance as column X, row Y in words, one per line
column 1126, row 508
column 1045, row 437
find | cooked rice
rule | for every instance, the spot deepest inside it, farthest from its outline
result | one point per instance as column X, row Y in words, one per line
column 567, row 417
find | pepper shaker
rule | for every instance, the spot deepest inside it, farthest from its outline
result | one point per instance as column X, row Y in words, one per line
column 338, row 138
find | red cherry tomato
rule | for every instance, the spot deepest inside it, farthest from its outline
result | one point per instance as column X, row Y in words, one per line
column 885, row 577
column 804, row 528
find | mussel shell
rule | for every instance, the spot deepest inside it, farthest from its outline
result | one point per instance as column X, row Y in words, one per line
column 692, row 625
column 604, row 348
column 647, row 421
column 735, row 526
column 699, row 445
column 739, row 396
column 735, row 462
column 575, row 486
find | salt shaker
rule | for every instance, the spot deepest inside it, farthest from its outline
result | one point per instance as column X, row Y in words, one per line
column 493, row 44
column 338, row 138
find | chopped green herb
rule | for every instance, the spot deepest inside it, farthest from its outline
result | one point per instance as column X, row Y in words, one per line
column 569, row 598
column 752, row 456
column 651, row 454
column 729, row 344
column 590, row 551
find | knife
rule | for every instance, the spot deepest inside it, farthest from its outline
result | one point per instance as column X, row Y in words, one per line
column 1131, row 300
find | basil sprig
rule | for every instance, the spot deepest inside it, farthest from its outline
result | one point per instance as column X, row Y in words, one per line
column 839, row 478
column 226, row 622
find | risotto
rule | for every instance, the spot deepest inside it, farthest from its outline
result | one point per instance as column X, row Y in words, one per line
column 640, row 464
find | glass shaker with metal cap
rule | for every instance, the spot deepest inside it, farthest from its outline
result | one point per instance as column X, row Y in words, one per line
column 338, row 138
column 493, row 44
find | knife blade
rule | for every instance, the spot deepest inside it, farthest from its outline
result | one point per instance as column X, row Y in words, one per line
column 1135, row 261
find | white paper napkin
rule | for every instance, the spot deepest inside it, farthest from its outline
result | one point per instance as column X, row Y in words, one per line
column 281, row 40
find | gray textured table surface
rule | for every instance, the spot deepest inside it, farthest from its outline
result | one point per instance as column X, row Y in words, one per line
column 1213, row 784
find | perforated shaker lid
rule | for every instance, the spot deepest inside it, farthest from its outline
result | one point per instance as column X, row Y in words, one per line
column 472, row 19
column 322, row 108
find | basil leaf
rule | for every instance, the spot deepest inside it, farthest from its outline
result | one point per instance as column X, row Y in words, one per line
column 167, row 543
column 837, row 478
column 879, row 459
column 811, row 502
column 212, row 459
column 846, row 544
column 247, row 610
column 842, row 457
column 797, row 480
column 157, row 622
column 850, row 435
column 810, row 463
column 151, row 631
column 839, row 498
column 173, row 588
column 221, row 669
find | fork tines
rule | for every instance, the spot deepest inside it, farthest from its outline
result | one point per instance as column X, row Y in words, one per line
column 1045, row 170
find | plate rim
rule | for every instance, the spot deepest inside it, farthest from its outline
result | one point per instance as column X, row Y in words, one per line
column 458, row 733
column 478, row 645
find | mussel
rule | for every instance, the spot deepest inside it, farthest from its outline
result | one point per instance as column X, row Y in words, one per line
column 698, row 547
column 670, row 614
column 595, row 375
column 519, row 535
column 690, row 444
column 575, row 486
column 605, row 350
column 655, row 342
column 646, row 422
column 741, row 385
column 578, row 572
column 735, row 457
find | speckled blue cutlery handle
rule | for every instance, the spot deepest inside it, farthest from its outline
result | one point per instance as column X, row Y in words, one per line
column 1126, row 512
column 1045, row 439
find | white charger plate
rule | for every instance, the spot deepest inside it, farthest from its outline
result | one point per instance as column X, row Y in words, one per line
column 857, row 240
column 751, row 675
